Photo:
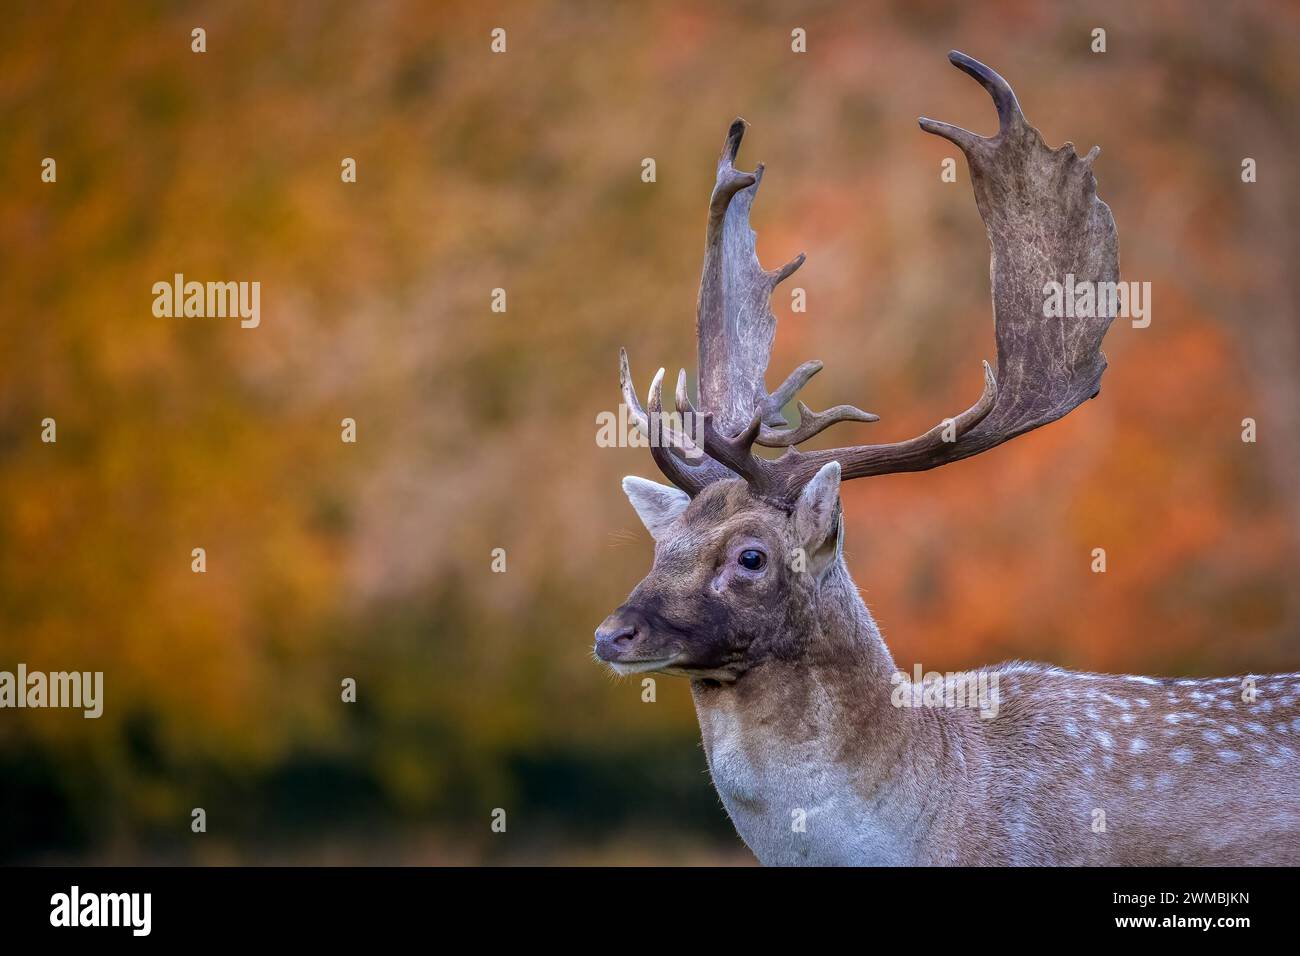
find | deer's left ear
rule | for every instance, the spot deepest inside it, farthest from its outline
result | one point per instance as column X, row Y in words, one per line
column 817, row 519
column 658, row 506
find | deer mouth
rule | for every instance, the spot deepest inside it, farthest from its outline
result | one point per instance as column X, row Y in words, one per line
column 642, row 666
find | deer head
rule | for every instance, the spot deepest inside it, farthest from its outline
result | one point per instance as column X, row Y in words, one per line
column 746, row 545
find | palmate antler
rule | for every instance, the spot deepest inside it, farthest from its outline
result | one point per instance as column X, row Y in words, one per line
column 1044, row 222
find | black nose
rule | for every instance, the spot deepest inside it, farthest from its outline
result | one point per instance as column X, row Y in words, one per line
column 615, row 636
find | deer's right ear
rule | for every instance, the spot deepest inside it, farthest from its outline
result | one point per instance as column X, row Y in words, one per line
column 658, row 506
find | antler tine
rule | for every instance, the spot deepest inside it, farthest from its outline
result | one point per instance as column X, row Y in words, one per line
column 736, row 453
column 787, row 390
column 730, row 179
column 787, row 270
column 679, row 443
column 963, row 139
column 680, row 459
column 634, row 409
column 1010, row 115
column 684, row 406
column 812, row 423
column 667, row 446
column 731, row 145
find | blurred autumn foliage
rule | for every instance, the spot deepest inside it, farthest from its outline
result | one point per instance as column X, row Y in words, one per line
column 476, row 429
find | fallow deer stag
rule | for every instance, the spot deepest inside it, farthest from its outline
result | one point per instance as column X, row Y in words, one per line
column 797, row 695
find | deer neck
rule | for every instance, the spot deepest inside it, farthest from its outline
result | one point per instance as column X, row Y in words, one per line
column 812, row 761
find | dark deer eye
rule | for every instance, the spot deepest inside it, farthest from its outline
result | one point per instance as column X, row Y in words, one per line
column 752, row 560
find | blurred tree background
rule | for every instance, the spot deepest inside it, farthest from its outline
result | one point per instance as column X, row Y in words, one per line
column 476, row 430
